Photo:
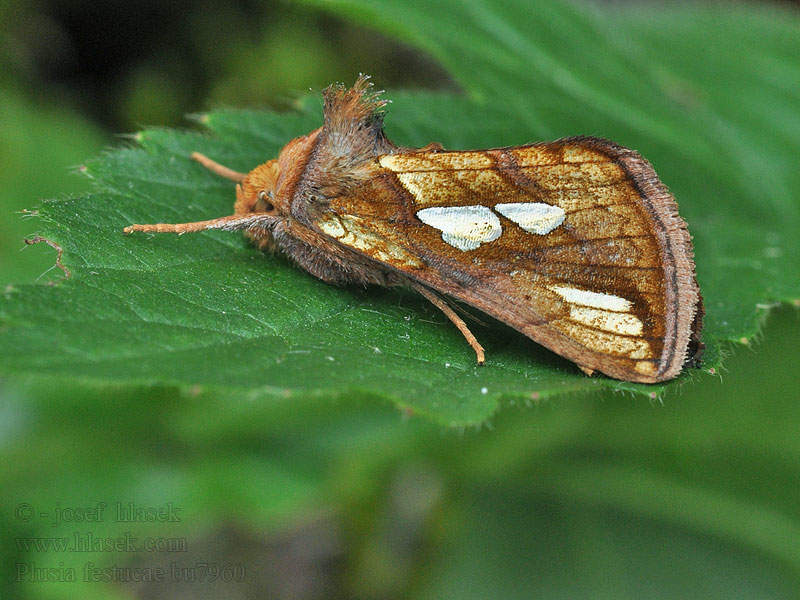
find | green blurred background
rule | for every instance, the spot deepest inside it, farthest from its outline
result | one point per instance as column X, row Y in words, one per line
column 601, row 497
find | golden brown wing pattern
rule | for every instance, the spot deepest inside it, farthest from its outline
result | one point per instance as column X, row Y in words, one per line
column 575, row 243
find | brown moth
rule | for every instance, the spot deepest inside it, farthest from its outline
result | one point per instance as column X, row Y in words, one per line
column 575, row 243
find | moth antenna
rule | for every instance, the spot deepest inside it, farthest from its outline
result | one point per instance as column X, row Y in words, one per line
column 217, row 168
column 229, row 223
column 454, row 319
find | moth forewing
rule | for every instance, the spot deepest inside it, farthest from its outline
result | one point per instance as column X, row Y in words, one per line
column 575, row 243
column 589, row 257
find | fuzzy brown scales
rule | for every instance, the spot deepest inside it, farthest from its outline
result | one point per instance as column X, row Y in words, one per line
column 575, row 243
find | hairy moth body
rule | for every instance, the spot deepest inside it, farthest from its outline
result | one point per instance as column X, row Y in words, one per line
column 575, row 243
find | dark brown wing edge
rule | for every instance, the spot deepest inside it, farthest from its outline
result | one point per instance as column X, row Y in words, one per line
column 683, row 345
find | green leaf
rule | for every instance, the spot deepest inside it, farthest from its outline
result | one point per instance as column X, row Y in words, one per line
column 39, row 143
column 206, row 310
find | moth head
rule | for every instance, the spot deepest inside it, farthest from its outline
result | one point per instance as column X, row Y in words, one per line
column 256, row 210
column 269, row 188
column 257, row 191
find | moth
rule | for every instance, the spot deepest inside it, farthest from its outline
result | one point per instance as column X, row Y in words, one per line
column 575, row 243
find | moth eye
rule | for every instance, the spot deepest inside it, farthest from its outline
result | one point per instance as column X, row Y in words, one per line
column 265, row 198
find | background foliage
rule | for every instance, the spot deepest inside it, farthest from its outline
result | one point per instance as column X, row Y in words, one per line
column 589, row 496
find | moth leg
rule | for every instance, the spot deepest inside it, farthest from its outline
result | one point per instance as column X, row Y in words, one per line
column 586, row 370
column 38, row 239
column 217, row 168
column 454, row 318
